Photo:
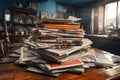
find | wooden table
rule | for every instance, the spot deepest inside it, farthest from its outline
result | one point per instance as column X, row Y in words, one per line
column 10, row 71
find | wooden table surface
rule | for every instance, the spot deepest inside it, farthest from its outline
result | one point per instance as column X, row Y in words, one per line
column 10, row 71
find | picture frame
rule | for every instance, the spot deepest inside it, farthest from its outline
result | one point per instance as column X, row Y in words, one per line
column 60, row 14
column 33, row 5
column 7, row 15
column 43, row 14
column 29, row 19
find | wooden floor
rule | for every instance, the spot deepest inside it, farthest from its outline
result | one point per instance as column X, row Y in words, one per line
column 10, row 71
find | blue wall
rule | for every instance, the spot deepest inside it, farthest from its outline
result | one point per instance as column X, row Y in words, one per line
column 48, row 5
column 4, row 4
column 8, row 4
column 51, row 6
column 60, row 8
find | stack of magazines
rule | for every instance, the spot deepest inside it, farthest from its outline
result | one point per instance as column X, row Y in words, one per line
column 52, row 51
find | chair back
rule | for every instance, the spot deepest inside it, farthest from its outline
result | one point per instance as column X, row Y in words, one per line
column 7, row 37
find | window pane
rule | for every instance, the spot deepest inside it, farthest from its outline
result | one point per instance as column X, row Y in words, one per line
column 100, row 19
column 119, row 14
column 110, row 14
column 92, row 21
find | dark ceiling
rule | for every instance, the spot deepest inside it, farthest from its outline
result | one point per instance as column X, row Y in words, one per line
column 74, row 2
column 64, row 2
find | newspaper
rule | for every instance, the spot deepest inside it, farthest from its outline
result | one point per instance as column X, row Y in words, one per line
column 60, row 52
column 27, row 54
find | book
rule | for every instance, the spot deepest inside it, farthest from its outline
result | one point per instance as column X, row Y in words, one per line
column 63, row 33
column 76, row 70
column 38, row 70
column 62, row 26
column 64, row 65
column 61, row 66
column 78, row 31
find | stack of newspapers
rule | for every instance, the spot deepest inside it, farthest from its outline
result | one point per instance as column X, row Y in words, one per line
column 52, row 51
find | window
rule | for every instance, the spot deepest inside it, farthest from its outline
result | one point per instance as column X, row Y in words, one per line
column 110, row 16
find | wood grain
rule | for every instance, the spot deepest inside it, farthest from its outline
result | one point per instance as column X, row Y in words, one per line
column 11, row 71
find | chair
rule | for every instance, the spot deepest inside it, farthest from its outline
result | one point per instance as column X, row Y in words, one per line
column 9, row 44
column 2, row 40
column 10, row 47
column 2, row 47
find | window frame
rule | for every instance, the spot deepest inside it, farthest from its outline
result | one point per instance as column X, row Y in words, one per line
column 117, row 15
